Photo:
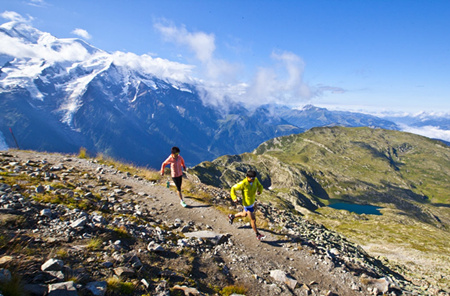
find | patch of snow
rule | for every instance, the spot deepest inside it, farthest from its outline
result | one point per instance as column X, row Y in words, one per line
column 180, row 88
column 22, row 73
column 181, row 110
column 76, row 88
column 3, row 145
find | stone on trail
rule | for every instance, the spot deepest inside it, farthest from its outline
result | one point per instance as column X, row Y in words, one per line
column 281, row 276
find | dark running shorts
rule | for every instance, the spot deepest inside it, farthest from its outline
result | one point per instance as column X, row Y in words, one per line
column 177, row 181
column 250, row 209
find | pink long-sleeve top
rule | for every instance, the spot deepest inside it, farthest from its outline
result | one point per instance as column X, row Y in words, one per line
column 176, row 165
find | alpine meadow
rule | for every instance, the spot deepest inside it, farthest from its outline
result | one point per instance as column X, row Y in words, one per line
column 406, row 175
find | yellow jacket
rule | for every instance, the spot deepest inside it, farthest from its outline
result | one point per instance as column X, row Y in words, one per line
column 248, row 191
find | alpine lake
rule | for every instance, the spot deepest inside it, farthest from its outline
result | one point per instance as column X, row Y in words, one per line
column 356, row 208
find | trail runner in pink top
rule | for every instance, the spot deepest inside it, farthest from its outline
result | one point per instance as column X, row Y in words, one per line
column 176, row 170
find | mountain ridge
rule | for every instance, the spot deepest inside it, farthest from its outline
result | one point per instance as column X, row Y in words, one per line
column 405, row 175
column 66, row 95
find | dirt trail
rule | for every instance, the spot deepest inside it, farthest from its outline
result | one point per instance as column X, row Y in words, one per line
column 263, row 256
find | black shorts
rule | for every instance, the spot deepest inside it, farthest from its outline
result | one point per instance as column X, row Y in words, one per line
column 178, row 181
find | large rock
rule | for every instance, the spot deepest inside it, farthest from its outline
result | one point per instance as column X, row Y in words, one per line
column 97, row 288
column 62, row 289
column 52, row 265
column 215, row 238
column 282, row 277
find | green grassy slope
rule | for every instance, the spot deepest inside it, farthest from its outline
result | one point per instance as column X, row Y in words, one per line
column 407, row 175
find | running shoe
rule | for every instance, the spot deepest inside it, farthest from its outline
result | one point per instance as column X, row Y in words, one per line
column 230, row 218
column 260, row 236
column 183, row 204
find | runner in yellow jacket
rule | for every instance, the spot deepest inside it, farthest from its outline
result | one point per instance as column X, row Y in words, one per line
column 249, row 187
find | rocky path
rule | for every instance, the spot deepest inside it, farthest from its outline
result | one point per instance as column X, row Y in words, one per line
column 278, row 265
column 257, row 257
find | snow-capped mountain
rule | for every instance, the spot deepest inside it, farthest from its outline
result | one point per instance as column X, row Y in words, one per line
column 59, row 95
column 63, row 94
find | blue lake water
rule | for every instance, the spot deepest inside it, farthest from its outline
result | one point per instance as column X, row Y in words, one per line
column 358, row 209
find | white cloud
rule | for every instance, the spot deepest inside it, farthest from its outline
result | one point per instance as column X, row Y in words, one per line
column 15, row 17
column 281, row 83
column 156, row 66
column 433, row 132
column 37, row 3
column 15, row 47
column 203, row 46
column 82, row 33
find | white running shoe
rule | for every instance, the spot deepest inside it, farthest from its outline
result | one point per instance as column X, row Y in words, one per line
column 260, row 236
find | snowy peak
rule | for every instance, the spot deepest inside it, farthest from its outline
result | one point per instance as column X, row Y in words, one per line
column 24, row 36
column 312, row 108
column 21, row 31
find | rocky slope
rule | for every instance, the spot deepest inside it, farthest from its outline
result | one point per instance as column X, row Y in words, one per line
column 73, row 226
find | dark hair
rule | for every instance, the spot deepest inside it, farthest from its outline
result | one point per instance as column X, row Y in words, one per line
column 251, row 174
column 175, row 149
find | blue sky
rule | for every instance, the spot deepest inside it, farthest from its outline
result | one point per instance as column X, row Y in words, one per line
column 348, row 55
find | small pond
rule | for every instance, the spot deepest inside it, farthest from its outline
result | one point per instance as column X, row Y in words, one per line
column 358, row 209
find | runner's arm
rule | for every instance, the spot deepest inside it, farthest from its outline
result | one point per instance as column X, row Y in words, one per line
column 166, row 162
column 260, row 188
column 238, row 186
column 182, row 162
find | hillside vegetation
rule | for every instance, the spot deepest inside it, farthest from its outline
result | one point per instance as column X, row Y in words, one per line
column 407, row 175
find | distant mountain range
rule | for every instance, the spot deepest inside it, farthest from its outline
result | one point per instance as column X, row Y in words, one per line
column 422, row 119
column 311, row 116
column 432, row 125
column 66, row 94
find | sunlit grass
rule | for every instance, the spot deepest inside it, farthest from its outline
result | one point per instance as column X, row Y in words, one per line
column 121, row 232
column 62, row 253
column 94, row 244
column 83, row 153
column 146, row 173
column 117, row 286
column 234, row 289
